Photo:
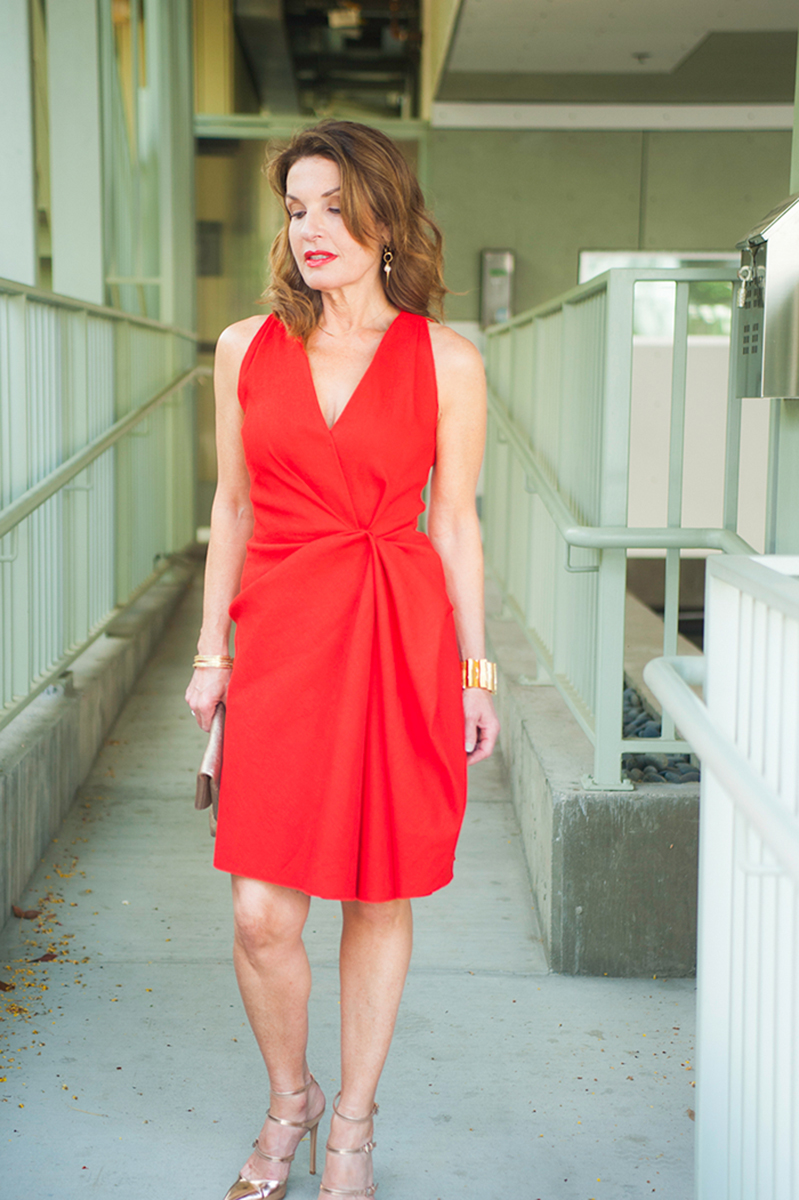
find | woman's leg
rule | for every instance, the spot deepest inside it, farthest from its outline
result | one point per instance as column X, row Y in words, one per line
column 375, row 952
column 274, row 978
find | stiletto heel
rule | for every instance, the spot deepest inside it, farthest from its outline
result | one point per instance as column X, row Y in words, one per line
column 366, row 1148
column 314, row 1132
column 275, row 1189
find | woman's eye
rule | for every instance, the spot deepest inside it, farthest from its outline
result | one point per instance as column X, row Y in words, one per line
column 296, row 213
column 335, row 210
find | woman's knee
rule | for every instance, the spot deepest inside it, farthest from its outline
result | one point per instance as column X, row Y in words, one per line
column 267, row 917
column 388, row 915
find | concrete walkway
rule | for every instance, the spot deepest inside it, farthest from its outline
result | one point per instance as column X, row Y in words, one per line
column 127, row 1067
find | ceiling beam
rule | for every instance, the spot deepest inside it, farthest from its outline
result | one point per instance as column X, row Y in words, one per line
column 439, row 22
column 467, row 115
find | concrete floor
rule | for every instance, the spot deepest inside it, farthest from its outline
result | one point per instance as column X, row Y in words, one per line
column 127, row 1067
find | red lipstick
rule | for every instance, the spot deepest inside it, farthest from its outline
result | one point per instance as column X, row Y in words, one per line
column 318, row 258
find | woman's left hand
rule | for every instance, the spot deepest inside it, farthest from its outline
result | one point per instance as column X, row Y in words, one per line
column 481, row 725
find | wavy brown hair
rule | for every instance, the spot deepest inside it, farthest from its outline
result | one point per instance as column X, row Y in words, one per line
column 377, row 188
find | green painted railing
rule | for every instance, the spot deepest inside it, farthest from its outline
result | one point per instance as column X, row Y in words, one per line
column 96, row 475
column 556, row 493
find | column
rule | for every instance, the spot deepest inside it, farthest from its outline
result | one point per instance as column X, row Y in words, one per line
column 17, row 177
column 75, row 149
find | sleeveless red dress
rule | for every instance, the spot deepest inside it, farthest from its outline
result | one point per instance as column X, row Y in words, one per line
column 344, row 769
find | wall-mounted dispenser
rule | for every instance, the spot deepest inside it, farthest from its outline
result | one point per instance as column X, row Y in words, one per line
column 767, row 351
column 496, row 285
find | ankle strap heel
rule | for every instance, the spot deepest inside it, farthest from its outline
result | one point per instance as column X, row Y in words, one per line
column 298, row 1092
column 275, row 1189
column 366, row 1148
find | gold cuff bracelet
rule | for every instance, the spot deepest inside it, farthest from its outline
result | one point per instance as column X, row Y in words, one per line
column 223, row 661
column 479, row 672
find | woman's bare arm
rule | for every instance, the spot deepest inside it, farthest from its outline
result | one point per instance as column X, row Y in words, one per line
column 452, row 522
column 231, row 521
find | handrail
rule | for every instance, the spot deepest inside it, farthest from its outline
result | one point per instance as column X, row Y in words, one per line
column 599, row 283
column 99, row 310
column 765, row 579
column 598, row 537
column 25, row 504
column 51, row 677
column 669, row 678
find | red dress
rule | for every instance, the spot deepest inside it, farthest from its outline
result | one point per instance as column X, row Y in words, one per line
column 344, row 768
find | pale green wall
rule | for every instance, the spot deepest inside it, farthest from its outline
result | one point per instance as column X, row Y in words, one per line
column 706, row 190
column 549, row 194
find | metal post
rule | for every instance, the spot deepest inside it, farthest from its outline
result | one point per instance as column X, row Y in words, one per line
column 782, row 527
column 17, row 188
column 612, row 578
column 679, row 371
column 732, row 458
column 73, row 70
column 782, row 533
column 169, row 44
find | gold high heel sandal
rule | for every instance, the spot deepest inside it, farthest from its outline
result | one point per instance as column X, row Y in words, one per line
column 366, row 1148
column 275, row 1189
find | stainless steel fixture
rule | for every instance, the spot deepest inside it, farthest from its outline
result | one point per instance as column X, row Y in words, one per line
column 767, row 350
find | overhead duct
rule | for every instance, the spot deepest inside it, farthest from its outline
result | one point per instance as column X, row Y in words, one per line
column 264, row 41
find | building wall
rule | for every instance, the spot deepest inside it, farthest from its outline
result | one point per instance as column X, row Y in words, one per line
column 232, row 193
column 547, row 195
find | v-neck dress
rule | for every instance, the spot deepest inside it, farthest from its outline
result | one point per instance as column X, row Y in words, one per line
column 344, row 771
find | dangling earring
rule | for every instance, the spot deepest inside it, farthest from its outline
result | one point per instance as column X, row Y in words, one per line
column 388, row 258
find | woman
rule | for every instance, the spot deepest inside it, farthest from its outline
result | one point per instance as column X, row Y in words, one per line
column 348, row 726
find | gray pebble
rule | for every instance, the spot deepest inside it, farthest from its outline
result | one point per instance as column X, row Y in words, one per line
column 658, row 761
column 638, row 722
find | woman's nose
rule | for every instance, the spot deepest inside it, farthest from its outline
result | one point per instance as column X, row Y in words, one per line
column 310, row 228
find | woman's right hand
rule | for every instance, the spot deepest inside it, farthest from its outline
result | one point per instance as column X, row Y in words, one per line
column 207, row 688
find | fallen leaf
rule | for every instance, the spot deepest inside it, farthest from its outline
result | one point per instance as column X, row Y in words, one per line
column 691, row 1113
column 6, row 987
column 48, row 957
column 25, row 914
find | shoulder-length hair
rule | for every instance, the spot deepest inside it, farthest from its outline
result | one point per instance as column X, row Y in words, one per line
column 377, row 188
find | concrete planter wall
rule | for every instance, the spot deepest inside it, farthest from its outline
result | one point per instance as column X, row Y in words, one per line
column 614, row 874
column 47, row 752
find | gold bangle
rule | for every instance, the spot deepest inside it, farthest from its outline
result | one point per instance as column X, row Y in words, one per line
column 479, row 672
column 222, row 661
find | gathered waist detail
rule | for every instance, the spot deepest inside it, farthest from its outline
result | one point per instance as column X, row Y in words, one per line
column 407, row 532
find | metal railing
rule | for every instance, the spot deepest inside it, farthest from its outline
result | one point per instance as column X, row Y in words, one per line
column 556, row 492
column 96, row 475
column 748, row 956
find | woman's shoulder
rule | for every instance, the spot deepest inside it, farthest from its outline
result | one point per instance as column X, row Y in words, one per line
column 452, row 351
column 234, row 341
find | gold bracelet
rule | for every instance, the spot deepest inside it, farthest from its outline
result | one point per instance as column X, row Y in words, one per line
column 479, row 672
column 223, row 661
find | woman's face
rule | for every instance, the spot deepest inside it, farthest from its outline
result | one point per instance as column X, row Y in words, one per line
column 326, row 253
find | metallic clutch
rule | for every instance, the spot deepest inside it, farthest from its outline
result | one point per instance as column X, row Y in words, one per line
column 207, row 794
